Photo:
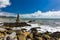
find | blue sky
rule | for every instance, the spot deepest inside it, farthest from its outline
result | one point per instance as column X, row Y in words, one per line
column 32, row 8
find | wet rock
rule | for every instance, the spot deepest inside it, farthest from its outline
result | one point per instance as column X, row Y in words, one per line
column 31, row 21
column 56, row 34
column 21, row 24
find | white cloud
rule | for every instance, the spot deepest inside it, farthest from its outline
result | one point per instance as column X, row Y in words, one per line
column 4, row 3
column 39, row 14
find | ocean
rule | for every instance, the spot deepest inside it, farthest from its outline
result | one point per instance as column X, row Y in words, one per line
column 50, row 25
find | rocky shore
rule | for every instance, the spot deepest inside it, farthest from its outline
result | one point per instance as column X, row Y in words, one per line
column 9, row 32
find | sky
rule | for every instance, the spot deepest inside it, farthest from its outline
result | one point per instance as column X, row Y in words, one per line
column 31, row 8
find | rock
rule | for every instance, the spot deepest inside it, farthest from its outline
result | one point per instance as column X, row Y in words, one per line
column 31, row 21
column 56, row 34
column 21, row 24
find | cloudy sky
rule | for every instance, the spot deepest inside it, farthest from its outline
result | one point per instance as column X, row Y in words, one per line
column 31, row 8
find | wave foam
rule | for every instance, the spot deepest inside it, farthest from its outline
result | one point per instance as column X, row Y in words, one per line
column 44, row 28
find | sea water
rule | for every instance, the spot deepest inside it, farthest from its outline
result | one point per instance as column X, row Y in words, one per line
column 50, row 25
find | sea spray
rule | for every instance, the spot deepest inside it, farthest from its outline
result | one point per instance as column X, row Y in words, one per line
column 44, row 28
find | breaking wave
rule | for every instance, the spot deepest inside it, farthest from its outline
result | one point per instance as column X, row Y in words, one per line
column 43, row 28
